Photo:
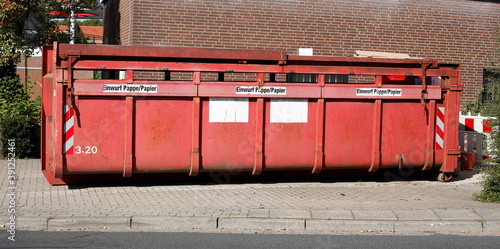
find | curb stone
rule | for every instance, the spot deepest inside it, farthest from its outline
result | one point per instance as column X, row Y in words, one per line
column 37, row 223
column 163, row 222
column 491, row 226
column 438, row 226
column 107, row 222
column 261, row 223
column 241, row 223
column 349, row 226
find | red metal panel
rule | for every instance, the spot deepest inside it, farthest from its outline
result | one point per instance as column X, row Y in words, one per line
column 227, row 146
column 451, row 148
column 47, row 59
column 177, row 66
column 290, row 145
column 169, row 52
column 99, row 125
column 47, row 95
column 46, row 129
column 404, row 130
column 163, row 134
column 347, row 121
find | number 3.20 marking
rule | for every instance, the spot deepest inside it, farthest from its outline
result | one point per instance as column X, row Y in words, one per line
column 86, row 150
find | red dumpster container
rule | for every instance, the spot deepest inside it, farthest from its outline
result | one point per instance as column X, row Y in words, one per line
column 208, row 123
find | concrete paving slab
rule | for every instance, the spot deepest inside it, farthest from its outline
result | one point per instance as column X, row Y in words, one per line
column 489, row 214
column 438, row 226
column 416, row 215
column 332, row 214
column 289, row 213
column 164, row 222
column 258, row 213
column 261, row 223
column 374, row 215
column 491, row 227
column 457, row 214
column 349, row 226
column 105, row 222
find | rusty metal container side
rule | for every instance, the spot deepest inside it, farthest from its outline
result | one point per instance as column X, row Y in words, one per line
column 129, row 126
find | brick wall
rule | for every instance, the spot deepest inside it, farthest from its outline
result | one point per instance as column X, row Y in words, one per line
column 452, row 31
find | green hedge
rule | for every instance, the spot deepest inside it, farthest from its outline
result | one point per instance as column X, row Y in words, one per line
column 491, row 168
column 19, row 116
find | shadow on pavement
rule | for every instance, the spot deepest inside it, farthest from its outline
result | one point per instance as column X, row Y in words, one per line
column 271, row 177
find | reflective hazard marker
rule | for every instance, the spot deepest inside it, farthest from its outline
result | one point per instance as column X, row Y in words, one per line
column 439, row 128
column 69, row 113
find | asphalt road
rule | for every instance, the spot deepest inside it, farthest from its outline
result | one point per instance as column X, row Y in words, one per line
column 96, row 239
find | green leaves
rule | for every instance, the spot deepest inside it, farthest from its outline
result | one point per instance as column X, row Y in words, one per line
column 491, row 108
column 490, row 183
column 19, row 117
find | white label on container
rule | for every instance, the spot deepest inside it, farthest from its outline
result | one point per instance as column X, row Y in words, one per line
column 123, row 88
column 378, row 92
column 266, row 90
column 289, row 110
column 228, row 110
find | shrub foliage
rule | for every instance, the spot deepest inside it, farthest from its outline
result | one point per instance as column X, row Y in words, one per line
column 491, row 107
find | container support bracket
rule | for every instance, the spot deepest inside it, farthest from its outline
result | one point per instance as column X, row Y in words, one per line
column 195, row 138
column 195, row 128
column 58, row 166
column 377, row 116
column 429, row 151
column 128, row 156
column 377, row 119
column 71, row 90
column 259, row 137
column 424, row 88
column 259, row 130
column 320, row 129
column 451, row 154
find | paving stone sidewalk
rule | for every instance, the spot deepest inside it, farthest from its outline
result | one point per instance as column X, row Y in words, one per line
column 385, row 206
